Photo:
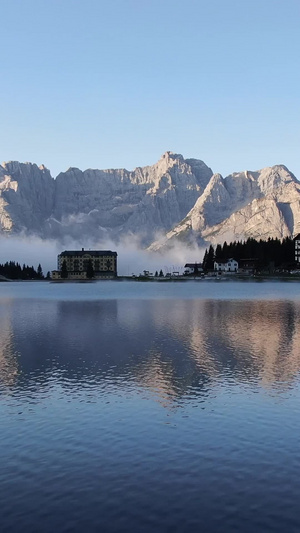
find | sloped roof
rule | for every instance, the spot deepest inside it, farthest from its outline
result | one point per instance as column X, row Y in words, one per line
column 225, row 261
column 192, row 265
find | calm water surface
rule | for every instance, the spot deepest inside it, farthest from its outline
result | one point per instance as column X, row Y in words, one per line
column 150, row 407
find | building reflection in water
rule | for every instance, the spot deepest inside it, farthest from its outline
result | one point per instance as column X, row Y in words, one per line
column 175, row 348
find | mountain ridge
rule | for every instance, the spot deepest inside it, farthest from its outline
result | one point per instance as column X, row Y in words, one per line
column 233, row 208
column 178, row 198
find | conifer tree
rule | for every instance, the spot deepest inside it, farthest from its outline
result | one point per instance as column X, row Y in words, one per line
column 209, row 259
column 64, row 271
column 90, row 270
column 40, row 271
column 218, row 253
column 204, row 260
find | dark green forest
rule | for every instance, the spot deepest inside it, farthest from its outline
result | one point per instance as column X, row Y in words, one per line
column 273, row 252
column 12, row 270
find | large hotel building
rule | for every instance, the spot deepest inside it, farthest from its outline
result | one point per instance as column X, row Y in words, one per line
column 104, row 263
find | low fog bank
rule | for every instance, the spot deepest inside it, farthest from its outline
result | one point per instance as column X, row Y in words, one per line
column 131, row 258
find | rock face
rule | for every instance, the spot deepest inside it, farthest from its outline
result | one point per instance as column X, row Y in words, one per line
column 179, row 198
column 258, row 204
column 95, row 203
column 26, row 197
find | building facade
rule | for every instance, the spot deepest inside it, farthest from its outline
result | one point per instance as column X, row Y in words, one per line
column 297, row 248
column 77, row 264
column 193, row 269
column 248, row 266
column 229, row 265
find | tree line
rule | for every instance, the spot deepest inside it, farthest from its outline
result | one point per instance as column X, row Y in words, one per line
column 276, row 252
column 13, row 270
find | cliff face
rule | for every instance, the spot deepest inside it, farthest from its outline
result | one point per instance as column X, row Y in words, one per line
column 100, row 202
column 258, row 204
column 178, row 197
column 26, row 197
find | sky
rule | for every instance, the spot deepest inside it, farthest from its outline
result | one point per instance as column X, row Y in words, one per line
column 116, row 83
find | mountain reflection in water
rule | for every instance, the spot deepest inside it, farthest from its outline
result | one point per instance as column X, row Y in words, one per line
column 177, row 349
column 122, row 415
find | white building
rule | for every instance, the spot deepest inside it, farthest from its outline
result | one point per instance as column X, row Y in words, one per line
column 191, row 269
column 297, row 248
column 227, row 265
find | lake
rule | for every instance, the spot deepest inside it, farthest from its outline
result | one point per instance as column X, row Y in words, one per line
column 150, row 407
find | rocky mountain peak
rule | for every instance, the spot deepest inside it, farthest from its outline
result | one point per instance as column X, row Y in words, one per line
column 22, row 170
column 180, row 197
column 261, row 203
column 172, row 155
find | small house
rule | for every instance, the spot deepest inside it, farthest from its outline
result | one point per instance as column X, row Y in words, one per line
column 193, row 269
column 248, row 266
column 226, row 265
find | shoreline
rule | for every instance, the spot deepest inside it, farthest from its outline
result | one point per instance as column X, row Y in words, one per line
column 217, row 279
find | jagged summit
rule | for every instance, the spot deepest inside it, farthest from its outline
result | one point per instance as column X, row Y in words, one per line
column 16, row 164
column 175, row 197
column 243, row 204
column 79, row 203
column 172, row 155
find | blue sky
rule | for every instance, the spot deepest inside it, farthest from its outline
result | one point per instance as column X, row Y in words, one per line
column 115, row 83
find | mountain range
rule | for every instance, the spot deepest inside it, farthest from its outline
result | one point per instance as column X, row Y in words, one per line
column 175, row 199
